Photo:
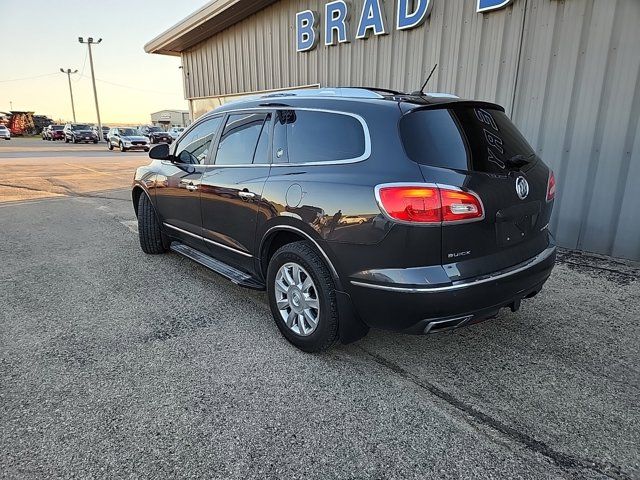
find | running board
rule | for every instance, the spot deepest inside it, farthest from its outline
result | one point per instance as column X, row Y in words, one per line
column 236, row 276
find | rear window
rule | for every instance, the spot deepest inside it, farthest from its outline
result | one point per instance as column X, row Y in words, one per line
column 57, row 127
column 303, row 136
column 465, row 138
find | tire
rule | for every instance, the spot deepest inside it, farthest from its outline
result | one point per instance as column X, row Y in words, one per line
column 152, row 240
column 109, row 145
column 66, row 140
column 95, row 141
column 122, row 149
column 146, row 149
column 75, row 140
column 325, row 334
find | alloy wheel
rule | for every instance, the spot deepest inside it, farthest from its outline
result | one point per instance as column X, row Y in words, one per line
column 297, row 299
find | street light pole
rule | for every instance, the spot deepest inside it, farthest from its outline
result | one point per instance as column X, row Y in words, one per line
column 90, row 42
column 68, row 71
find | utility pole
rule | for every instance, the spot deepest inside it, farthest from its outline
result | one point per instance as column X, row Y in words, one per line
column 90, row 42
column 68, row 71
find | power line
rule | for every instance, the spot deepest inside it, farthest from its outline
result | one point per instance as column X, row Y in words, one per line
column 132, row 88
column 84, row 64
column 28, row 78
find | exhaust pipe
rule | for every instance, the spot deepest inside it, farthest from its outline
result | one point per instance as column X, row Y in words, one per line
column 438, row 326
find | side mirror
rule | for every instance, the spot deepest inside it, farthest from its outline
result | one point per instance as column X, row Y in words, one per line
column 160, row 152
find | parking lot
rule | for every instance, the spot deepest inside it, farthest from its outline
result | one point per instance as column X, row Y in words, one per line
column 118, row 364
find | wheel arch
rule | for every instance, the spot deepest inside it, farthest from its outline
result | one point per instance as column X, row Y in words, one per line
column 280, row 235
column 136, row 192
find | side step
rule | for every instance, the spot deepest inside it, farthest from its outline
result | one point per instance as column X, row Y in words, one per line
column 236, row 276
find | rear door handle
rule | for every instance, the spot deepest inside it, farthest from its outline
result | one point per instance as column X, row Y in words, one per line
column 247, row 195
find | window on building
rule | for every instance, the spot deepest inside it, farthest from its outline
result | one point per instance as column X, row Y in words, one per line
column 194, row 145
column 302, row 136
column 245, row 140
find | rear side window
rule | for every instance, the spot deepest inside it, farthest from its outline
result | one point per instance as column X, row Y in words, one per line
column 244, row 140
column 465, row 138
column 302, row 136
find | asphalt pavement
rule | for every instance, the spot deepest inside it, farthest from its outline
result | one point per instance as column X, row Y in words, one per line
column 118, row 364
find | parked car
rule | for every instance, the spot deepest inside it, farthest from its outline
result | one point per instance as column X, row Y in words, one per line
column 105, row 131
column 126, row 138
column 175, row 132
column 5, row 132
column 459, row 206
column 155, row 134
column 79, row 133
column 53, row 132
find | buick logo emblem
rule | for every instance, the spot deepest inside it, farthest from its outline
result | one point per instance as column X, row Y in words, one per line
column 522, row 188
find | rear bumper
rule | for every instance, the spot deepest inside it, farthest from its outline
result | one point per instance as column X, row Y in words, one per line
column 430, row 308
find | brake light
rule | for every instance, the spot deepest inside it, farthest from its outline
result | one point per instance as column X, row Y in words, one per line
column 551, row 186
column 429, row 204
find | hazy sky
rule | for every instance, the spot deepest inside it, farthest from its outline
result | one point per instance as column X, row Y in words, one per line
column 37, row 37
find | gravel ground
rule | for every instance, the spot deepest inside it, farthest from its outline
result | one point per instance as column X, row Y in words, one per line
column 118, row 364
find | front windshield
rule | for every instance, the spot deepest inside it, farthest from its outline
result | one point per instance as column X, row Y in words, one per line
column 128, row 132
column 155, row 129
column 80, row 127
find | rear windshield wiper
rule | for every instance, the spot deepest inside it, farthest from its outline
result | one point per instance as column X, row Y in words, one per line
column 519, row 160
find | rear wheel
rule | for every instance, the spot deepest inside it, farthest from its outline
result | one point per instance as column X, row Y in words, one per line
column 302, row 297
column 152, row 240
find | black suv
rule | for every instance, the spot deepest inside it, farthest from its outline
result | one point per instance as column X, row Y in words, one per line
column 79, row 133
column 155, row 134
column 356, row 208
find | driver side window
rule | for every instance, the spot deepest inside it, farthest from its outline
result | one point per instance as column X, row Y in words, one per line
column 194, row 145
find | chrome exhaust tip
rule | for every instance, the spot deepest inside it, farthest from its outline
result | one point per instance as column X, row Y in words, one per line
column 438, row 326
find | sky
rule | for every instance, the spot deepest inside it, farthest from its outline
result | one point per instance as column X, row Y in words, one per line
column 39, row 37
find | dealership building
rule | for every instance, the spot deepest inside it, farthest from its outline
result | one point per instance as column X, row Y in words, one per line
column 566, row 71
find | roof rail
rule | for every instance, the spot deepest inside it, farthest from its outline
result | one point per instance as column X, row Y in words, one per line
column 356, row 92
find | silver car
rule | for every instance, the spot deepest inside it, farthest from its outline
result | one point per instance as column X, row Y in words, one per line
column 5, row 132
column 175, row 132
column 126, row 138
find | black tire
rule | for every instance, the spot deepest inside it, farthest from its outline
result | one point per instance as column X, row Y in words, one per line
column 109, row 146
column 66, row 140
column 146, row 149
column 152, row 240
column 75, row 140
column 95, row 141
column 122, row 149
column 326, row 332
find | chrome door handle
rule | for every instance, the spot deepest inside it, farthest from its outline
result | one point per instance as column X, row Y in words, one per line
column 246, row 195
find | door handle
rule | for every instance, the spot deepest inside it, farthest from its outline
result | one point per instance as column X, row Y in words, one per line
column 246, row 195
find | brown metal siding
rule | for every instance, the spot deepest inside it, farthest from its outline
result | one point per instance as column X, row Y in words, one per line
column 567, row 71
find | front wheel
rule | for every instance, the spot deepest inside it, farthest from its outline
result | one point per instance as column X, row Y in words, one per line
column 122, row 148
column 109, row 145
column 152, row 240
column 302, row 297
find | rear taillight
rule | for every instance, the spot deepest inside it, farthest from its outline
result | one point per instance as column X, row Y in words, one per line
column 551, row 186
column 429, row 204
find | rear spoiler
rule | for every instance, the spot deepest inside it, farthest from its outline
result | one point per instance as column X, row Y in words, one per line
column 431, row 104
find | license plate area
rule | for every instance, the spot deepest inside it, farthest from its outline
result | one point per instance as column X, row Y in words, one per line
column 517, row 223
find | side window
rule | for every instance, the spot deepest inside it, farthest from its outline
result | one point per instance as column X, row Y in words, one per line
column 302, row 136
column 245, row 140
column 194, row 146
